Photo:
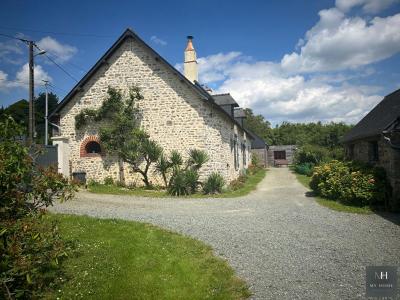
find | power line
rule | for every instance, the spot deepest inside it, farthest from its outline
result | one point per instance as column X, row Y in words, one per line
column 53, row 61
column 59, row 33
column 18, row 81
column 70, row 63
column 13, row 37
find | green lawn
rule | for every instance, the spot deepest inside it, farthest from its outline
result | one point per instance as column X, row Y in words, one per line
column 131, row 260
column 305, row 180
column 249, row 185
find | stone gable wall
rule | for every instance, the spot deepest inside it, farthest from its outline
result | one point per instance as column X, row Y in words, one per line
column 173, row 114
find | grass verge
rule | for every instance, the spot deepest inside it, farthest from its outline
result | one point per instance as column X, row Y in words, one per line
column 249, row 185
column 129, row 260
column 334, row 205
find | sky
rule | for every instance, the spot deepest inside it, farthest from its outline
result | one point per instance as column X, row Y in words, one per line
column 296, row 61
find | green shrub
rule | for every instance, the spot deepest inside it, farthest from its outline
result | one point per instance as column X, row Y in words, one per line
column 108, row 180
column 29, row 249
column 304, row 168
column 351, row 183
column 255, row 160
column 184, row 182
column 32, row 252
column 236, row 184
column 178, row 186
column 192, row 181
column 311, row 154
column 213, row 184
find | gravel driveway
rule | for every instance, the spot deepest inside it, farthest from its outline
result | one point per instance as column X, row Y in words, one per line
column 284, row 244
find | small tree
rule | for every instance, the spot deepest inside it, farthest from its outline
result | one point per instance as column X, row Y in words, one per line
column 120, row 131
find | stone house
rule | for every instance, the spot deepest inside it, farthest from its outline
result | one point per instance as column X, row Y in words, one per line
column 176, row 111
column 376, row 140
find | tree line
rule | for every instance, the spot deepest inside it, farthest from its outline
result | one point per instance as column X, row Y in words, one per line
column 318, row 134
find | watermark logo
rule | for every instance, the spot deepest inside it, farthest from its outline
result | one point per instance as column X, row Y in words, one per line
column 381, row 282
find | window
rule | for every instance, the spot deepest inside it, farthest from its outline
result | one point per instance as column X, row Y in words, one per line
column 244, row 155
column 93, row 147
column 236, row 152
column 279, row 154
column 373, row 151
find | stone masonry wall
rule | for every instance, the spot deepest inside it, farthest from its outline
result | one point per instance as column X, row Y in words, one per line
column 173, row 114
column 389, row 159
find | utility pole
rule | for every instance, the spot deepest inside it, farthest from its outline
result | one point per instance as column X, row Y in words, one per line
column 46, row 114
column 31, row 95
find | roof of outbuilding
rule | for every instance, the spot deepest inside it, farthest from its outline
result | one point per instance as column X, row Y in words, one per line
column 258, row 142
column 225, row 99
column 377, row 120
column 130, row 33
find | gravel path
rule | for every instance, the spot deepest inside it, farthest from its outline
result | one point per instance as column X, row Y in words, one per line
column 284, row 244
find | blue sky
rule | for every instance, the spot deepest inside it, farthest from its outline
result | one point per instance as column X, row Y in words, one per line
column 298, row 61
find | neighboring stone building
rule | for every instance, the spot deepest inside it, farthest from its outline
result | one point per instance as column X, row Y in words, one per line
column 176, row 112
column 260, row 148
column 376, row 140
column 280, row 155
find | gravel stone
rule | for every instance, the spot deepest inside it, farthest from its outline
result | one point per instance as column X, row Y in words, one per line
column 283, row 243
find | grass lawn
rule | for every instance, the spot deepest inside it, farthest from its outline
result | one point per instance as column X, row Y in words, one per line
column 305, row 180
column 249, row 185
column 130, row 260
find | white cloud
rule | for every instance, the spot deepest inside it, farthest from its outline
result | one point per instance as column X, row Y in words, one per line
column 22, row 78
column 368, row 6
column 158, row 41
column 337, row 43
column 9, row 52
column 61, row 52
column 39, row 73
column 267, row 89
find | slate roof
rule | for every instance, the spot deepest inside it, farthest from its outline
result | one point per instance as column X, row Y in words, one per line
column 258, row 142
column 225, row 99
column 103, row 60
column 377, row 120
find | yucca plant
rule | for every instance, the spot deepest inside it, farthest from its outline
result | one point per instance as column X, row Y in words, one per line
column 197, row 158
column 178, row 186
column 213, row 184
column 163, row 166
column 192, row 181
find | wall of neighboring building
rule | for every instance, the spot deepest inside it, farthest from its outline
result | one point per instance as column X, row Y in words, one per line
column 261, row 155
column 172, row 114
column 289, row 153
column 386, row 157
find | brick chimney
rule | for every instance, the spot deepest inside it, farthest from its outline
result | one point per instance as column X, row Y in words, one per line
column 190, row 64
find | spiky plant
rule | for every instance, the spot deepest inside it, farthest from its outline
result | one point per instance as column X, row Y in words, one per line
column 197, row 158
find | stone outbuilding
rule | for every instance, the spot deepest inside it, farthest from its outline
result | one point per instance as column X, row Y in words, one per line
column 280, row 155
column 177, row 112
column 376, row 140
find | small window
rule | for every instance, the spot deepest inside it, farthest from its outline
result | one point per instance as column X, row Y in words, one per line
column 279, row 154
column 373, row 151
column 93, row 148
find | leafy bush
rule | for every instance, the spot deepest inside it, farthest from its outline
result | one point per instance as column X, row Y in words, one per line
column 192, row 181
column 108, row 180
column 28, row 246
column 351, row 183
column 304, row 168
column 255, row 160
column 32, row 252
column 311, row 154
column 236, row 184
column 213, row 184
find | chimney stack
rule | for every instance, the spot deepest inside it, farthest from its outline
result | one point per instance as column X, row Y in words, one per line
column 190, row 64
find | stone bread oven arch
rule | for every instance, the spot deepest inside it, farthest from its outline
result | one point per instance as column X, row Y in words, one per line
column 91, row 147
